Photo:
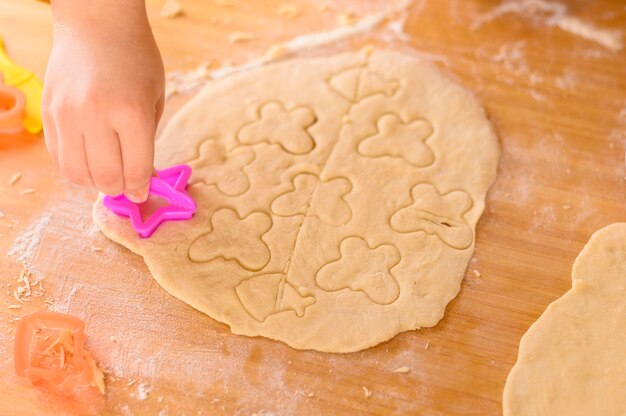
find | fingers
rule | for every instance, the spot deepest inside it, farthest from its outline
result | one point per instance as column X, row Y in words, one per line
column 104, row 159
column 160, row 105
column 67, row 149
column 72, row 158
column 115, row 153
column 137, row 146
column 50, row 135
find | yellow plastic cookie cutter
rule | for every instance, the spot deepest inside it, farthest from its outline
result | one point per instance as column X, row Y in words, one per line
column 29, row 84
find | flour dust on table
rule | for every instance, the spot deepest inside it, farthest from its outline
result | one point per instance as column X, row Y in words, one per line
column 337, row 199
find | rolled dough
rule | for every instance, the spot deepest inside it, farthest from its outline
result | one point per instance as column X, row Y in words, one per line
column 572, row 361
column 337, row 199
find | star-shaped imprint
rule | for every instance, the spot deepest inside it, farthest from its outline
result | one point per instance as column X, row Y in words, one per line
column 168, row 184
column 361, row 268
column 314, row 197
column 437, row 214
column 398, row 139
column 277, row 125
column 234, row 238
column 268, row 294
column 223, row 169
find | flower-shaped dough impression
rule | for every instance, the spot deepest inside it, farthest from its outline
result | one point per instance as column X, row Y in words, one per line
column 234, row 238
column 398, row 139
column 286, row 128
column 225, row 170
column 361, row 268
column 314, row 197
column 436, row 214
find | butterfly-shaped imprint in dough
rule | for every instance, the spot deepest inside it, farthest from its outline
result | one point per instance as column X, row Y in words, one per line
column 234, row 238
column 395, row 138
column 268, row 294
column 314, row 197
column 362, row 268
column 287, row 128
column 225, row 170
column 437, row 214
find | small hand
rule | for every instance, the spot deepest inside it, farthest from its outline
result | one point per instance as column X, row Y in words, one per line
column 103, row 95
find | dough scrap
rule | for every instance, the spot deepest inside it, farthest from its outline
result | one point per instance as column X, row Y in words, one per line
column 301, row 237
column 572, row 361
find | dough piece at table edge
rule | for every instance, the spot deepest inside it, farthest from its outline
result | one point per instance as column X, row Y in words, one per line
column 598, row 270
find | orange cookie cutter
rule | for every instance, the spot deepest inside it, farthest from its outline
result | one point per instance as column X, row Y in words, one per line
column 84, row 371
column 29, row 85
column 12, row 105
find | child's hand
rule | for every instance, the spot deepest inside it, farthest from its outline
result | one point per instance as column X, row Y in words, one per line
column 103, row 95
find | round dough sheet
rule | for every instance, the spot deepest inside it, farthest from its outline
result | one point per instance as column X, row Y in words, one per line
column 337, row 199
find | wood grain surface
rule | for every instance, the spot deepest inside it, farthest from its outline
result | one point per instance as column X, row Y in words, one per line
column 558, row 102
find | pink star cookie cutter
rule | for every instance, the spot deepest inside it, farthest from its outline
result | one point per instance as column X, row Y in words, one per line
column 169, row 184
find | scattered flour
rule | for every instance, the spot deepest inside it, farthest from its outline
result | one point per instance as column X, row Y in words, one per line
column 366, row 24
column 395, row 13
column 125, row 410
column 143, row 390
column 622, row 116
column 397, row 26
column 617, row 141
column 543, row 218
column 185, row 81
column 554, row 14
column 610, row 39
column 566, row 81
column 536, row 10
column 511, row 55
column 25, row 247
column 513, row 69
column 64, row 303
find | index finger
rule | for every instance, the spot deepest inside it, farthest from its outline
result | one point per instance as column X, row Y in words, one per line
column 137, row 147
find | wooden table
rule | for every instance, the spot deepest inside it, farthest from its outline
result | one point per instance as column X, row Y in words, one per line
column 558, row 102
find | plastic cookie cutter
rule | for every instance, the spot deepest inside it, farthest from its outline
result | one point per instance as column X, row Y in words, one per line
column 12, row 103
column 72, row 367
column 31, row 87
column 169, row 184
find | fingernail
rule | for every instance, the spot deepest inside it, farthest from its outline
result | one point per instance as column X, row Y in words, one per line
column 134, row 198
column 138, row 197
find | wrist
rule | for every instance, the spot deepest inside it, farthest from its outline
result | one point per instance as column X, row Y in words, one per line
column 99, row 15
